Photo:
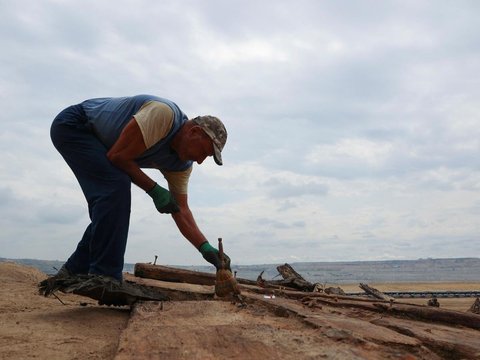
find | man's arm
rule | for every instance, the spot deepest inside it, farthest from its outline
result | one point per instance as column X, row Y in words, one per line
column 186, row 222
column 126, row 149
column 188, row 227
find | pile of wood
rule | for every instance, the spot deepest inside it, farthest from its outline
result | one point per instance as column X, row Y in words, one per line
column 374, row 318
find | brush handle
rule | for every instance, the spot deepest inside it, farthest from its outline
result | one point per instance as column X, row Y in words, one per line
column 220, row 250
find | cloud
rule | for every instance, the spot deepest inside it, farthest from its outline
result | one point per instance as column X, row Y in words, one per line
column 266, row 222
column 60, row 214
column 6, row 196
column 279, row 188
column 360, row 151
column 353, row 134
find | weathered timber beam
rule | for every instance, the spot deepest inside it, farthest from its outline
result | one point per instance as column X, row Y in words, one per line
column 293, row 278
column 297, row 294
column 452, row 342
column 175, row 291
column 175, row 275
column 287, row 271
column 166, row 273
column 375, row 293
column 434, row 314
column 171, row 274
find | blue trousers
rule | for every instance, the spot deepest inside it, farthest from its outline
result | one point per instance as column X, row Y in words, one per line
column 107, row 190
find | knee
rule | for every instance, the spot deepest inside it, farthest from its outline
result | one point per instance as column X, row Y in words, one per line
column 120, row 190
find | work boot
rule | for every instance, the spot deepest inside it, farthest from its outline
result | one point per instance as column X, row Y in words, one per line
column 63, row 272
column 110, row 291
column 105, row 289
column 51, row 284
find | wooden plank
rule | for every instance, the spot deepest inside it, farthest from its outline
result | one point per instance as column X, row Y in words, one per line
column 176, row 291
column 334, row 325
column 166, row 273
column 453, row 343
column 434, row 314
column 171, row 274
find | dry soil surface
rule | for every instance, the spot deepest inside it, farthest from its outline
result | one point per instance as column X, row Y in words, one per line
column 32, row 326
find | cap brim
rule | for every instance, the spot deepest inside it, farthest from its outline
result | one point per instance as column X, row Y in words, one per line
column 217, row 156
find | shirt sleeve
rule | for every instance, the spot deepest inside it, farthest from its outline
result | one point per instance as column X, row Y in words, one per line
column 155, row 119
column 178, row 180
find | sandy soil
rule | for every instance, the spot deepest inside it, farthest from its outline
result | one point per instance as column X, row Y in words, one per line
column 32, row 326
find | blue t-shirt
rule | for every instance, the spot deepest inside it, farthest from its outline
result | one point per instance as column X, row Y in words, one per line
column 108, row 116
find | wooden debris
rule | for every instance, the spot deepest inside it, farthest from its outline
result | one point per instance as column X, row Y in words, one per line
column 444, row 342
column 175, row 291
column 288, row 272
column 270, row 284
column 375, row 293
column 171, row 274
column 294, row 279
column 433, row 302
column 362, row 323
column 334, row 291
column 475, row 308
column 434, row 314
column 291, row 279
column 166, row 273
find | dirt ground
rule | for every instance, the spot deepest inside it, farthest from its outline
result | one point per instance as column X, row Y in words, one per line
column 32, row 326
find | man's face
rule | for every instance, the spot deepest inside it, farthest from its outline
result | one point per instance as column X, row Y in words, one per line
column 198, row 146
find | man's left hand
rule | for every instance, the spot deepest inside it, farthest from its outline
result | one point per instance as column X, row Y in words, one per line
column 163, row 200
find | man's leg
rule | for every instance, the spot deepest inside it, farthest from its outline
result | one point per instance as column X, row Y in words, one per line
column 107, row 191
column 79, row 261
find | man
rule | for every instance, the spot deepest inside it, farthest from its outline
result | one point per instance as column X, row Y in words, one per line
column 106, row 142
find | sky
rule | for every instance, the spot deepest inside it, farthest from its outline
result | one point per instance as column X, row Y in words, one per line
column 353, row 126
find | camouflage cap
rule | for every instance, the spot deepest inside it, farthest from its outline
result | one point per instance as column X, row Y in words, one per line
column 215, row 129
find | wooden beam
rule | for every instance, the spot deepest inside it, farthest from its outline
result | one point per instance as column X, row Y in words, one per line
column 166, row 273
column 171, row 274
column 434, row 314
column 175, row 291
column 375, row 293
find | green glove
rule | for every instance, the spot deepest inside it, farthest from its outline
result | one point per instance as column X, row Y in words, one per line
column 163, row 200
column 212, row 255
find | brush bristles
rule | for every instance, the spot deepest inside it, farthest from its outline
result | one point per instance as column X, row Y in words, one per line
column 225, row 283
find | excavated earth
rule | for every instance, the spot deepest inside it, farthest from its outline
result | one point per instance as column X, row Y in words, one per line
column 204, row 327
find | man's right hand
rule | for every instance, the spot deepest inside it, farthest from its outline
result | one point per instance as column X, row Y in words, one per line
column 212, row 255
column 163, row 200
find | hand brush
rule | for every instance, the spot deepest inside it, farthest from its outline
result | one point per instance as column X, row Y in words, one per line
column 225, row 282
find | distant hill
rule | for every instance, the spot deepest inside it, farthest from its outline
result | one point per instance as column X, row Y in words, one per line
column 46, row 266
column 457, row 269
column 51, row 266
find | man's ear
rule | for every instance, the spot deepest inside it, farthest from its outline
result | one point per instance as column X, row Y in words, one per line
column 196, row 130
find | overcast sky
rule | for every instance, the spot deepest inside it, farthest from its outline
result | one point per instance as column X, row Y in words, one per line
column 354, row 126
